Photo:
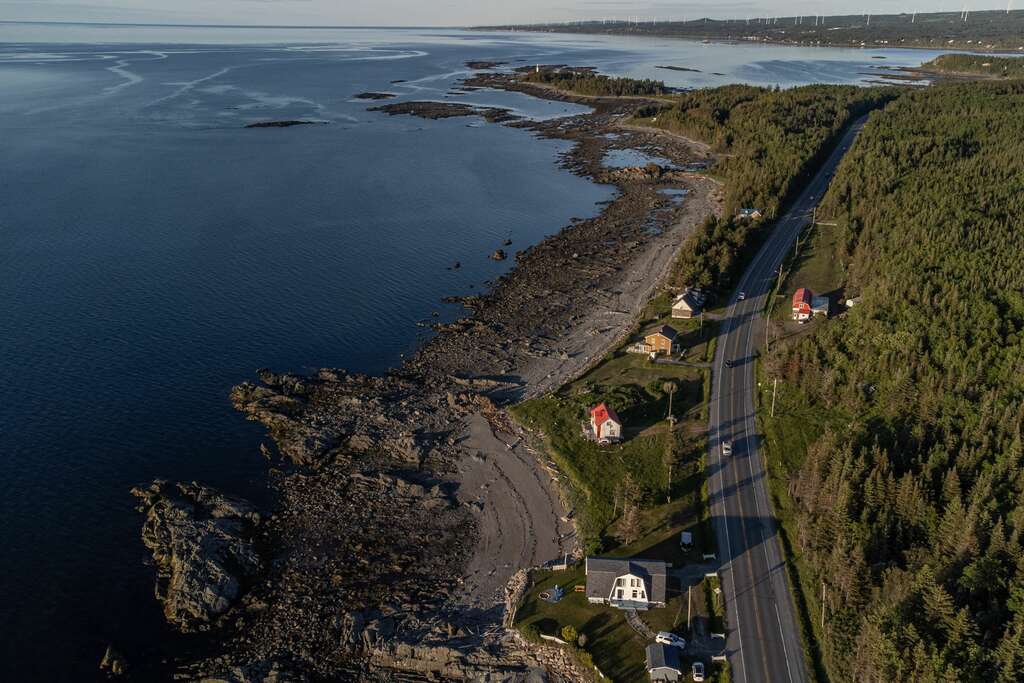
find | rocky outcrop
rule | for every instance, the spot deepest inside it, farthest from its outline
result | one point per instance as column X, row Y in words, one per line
column 257, row 672
column 284, row 124
column 446, row 662
column 202, row 545
column 375, row 96
column 113, row 663
column 447, row 110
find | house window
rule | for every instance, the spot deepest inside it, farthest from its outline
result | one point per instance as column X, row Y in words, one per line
column 618, row 594
column 619, row 582
column 634, row 595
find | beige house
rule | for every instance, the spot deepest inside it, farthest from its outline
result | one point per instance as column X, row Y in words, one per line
column 688, row 304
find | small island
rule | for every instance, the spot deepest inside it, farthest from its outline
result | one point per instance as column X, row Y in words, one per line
column 375, row 96
column 284, row 124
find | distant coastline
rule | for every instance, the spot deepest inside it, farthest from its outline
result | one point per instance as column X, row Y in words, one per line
column 989, row 31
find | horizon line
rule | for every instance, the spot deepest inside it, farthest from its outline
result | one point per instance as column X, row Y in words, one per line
column 55, row 22
column 58, row 22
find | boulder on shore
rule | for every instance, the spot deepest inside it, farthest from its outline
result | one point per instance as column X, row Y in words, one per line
column 499, row 255
column 202, row 544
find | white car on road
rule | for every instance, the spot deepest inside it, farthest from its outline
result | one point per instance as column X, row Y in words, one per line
column 727, row 448
column 698, row 671
column 666, row 638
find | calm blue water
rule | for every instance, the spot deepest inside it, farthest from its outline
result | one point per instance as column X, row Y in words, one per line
column 153, row 253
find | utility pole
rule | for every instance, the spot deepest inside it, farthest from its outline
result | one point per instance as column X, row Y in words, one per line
column 823, row 605
column 688, row 591
column 775, row 388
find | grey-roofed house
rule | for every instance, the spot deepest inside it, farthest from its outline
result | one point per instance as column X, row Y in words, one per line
column 627, row 582
column 688, row 303
column 821, row 305
column 663, row 662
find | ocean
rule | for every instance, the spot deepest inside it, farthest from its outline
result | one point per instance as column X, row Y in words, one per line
column 154, row 252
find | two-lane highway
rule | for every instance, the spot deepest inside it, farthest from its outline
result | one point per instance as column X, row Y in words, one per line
column 763, row 638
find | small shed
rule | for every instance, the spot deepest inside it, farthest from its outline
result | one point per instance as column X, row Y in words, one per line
column 663, row 663
column 820, row 305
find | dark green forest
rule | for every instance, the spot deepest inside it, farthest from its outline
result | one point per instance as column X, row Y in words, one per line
column 904, row 497
column 767, row 141
column 989, row 29
column 595, row 85
column 980, row 65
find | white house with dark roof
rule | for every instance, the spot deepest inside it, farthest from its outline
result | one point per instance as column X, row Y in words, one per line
column 627, row 582
column 688, row 304
column 663, row 663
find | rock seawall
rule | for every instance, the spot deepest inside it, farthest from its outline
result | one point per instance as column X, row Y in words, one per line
column 202, row 545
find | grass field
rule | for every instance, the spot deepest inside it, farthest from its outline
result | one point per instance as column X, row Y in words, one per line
column 618, row 651
column 815, row 264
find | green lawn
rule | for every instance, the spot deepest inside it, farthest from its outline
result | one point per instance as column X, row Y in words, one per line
column 595, row 472
column 618, row 651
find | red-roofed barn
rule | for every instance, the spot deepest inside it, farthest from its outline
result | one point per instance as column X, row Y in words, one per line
column 802, row 304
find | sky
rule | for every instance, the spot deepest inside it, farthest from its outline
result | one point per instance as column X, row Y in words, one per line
column 438, row 12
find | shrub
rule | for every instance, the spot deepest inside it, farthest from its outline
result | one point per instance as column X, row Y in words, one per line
column 532, row 633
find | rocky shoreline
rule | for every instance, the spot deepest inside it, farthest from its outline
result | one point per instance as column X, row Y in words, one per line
column 404, row 503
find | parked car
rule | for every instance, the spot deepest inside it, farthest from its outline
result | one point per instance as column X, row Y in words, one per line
column 698, row 671
column 727, row 448
column 666, row 638
column 742, row 296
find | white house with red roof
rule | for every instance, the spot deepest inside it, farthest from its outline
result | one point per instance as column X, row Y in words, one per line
column 605, row 424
